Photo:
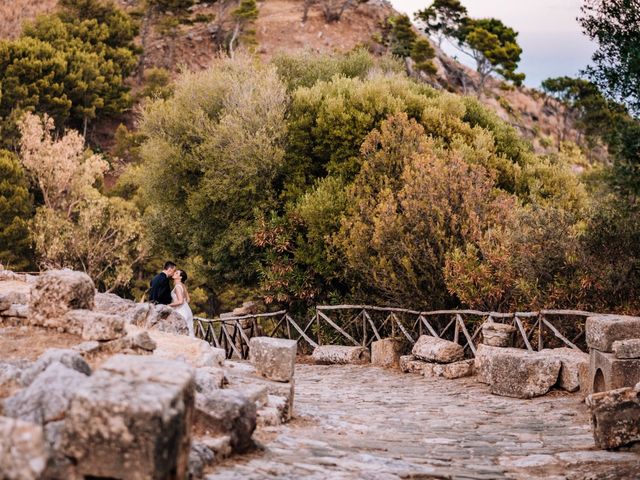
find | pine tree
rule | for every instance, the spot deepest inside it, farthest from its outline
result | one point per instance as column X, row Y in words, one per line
column 402, row 35
column 16, row 208
column 423, row 54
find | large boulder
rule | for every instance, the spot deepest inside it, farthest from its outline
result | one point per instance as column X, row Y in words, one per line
column 615, row 417
column 227, row 412
column 516, row 373
column 433, row 349
column 411, row 364
column 573, row 362
column 273, row 358
column 336, row 354
column 23, row 451
column 386, row 352
column 56, row 292
column 497, row 334
column 47, row 398
column 603, row 330
column 132, row 419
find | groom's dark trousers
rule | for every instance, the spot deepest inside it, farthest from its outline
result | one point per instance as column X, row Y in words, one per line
column 160, row 289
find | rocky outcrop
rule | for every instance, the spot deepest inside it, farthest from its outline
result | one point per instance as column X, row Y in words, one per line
column 432, row 349
column 144, row 315
column 411, row 364
column 516, row 373
column 336, row 354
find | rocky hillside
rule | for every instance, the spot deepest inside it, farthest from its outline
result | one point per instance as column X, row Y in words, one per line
column 175, row 41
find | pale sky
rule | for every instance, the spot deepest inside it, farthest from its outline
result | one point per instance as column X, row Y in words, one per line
column 549, row 33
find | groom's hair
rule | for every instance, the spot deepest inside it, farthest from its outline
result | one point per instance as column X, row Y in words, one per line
column 168, row 265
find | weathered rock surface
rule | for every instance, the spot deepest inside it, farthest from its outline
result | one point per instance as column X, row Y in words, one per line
column 55, row 293
column 15, row 310
column 23, row 452
column 516, row 373
column 463, row 368
column 432, row 349
column 67, row 357
column 209, row 378
column 386, row 352
column 573, row 362
column 227, row 412
column 200, row 457
column 627, row 348
column 603, row 330
column 102, row 327
column 615, row 417
column 132, row 419
column 336, row 354
column 273, row 358
column 144, row 315
column 606, row 372
column 194, row 351
column 497, row 334
column 47, row 398
column 410, row 364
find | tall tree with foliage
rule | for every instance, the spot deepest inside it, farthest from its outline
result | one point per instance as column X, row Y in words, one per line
column 494, row 47
column 615, row 26
column 71, row 65
column 77, row 226
column 404, row 42
column 16, row 209
column 244, row 15
column 443, row 19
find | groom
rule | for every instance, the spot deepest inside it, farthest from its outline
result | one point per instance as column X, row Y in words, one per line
column 160, row 287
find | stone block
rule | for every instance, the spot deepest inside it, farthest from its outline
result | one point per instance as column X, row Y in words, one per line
column 410, row 364
column 339, row 355
column 47, row 398
column 209, row 378
column 497, row 334
column 16, row 310
column 603, row 330
column 386, row 352
column 194, row 351
column 101, row 327
column 227, row 412
column 615, row 417
column 56, row 292
column 68, row 357
column 132, row 420
column 606, row 372
column 573, row 362
column 627, row 349
column 274, row 358
column 432, row 349
column 23, row 450
column 463, row 368
column 241, row 378
column 516, row 373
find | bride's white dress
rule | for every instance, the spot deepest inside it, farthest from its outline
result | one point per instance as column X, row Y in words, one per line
column 185, row 311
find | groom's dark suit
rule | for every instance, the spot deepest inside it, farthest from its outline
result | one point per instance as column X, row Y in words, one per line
column 160, row 289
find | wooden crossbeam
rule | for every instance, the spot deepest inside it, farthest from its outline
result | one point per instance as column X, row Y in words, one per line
column 558, row 334
column 373, row 326
column 402, row 329
column 429, row 327
column 340, row 330
column 466, row 334
column 301, row 332
column 523, row 332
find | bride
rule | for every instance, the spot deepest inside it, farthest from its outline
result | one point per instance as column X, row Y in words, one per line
column 180, row 299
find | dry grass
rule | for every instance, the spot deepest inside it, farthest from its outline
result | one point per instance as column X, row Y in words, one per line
column 15, row 12
column 30, row 342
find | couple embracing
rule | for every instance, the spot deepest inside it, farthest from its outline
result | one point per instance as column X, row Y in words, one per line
column 178, row 297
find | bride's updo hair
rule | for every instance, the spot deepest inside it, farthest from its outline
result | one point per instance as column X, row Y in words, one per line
column 183, row 276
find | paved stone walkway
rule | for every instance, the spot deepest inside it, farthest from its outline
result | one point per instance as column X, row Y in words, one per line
column 367, row 423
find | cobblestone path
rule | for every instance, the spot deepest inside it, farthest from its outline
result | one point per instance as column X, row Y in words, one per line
column 367, row 423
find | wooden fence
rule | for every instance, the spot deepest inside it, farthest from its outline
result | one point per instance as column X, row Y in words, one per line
column 362, row 324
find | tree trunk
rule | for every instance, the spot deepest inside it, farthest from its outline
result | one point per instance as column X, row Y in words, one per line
column 234, row 37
